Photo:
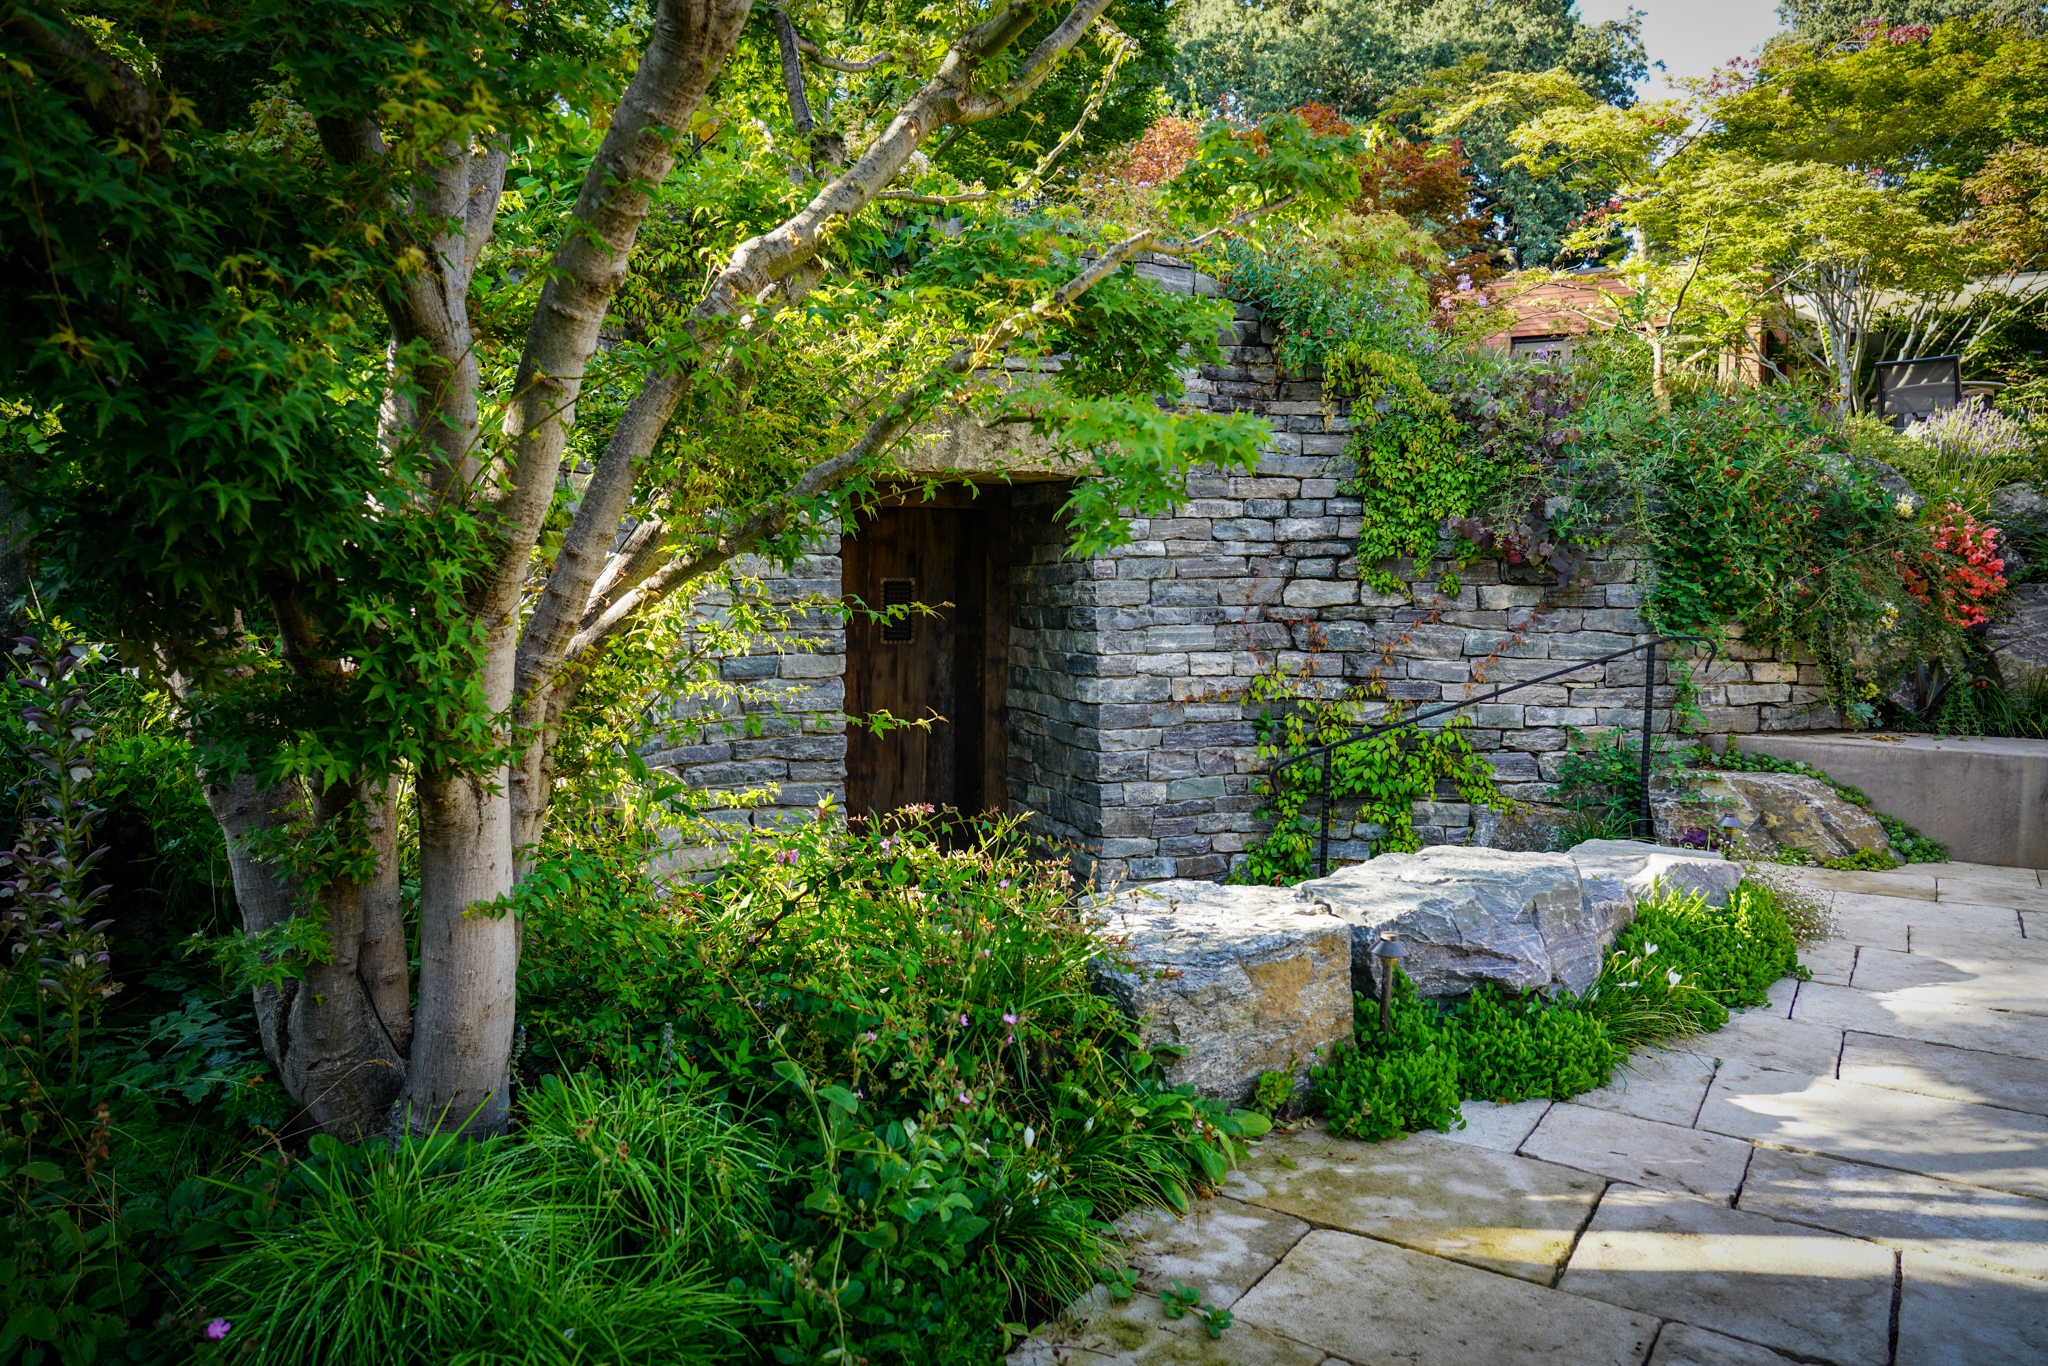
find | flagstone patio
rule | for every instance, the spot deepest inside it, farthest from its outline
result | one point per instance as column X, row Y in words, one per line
column 1856, row 1174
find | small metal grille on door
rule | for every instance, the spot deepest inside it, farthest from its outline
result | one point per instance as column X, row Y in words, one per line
column 900, row 630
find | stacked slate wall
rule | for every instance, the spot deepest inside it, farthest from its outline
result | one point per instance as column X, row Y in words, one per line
column 1129, row 715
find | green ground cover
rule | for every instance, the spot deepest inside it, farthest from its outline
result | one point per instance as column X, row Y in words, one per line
column 1675, row 971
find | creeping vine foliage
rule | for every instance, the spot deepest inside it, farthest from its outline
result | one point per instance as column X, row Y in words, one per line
column 1389, row 773
column 1411, row 473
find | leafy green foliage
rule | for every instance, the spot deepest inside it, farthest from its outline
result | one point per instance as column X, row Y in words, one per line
column 1367, row 60
column 1677, row 969
column 1412, row 474
column 953, row 1111
column 1390, row 773
column 108, row 1117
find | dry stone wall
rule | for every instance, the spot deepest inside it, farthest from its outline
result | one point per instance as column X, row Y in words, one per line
column 1130, row 722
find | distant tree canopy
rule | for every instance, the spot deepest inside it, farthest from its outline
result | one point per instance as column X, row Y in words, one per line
column 1836, row 21
column 1368, row 59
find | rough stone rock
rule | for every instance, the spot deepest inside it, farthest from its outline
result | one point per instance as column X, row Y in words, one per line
column 1522, row 827
column 1784, row 810
column 1467, row 916
column 1618, row 873
column 1522, row 919
column 1243, row 980
column 2020, row 512
column 2019, row 638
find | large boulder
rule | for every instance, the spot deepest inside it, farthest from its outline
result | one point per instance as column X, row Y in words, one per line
column 2019, row 638
column 1526, row 921
column 1616, row 874
column 1467, row 915
column 1242, row 980
column 1781, row 810
column 1613, row 869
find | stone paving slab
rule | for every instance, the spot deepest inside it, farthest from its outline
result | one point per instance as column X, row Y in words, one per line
column 1904, row 1016
column 1958, row 978
column 1681, row 1344
column 1952, row 918
column 1500, row 1127
column 2007, row 945
column 1933, row 1069
column 1834, row 960
column 1816, row 1295
column 1641, row 1151
column 2004, row 894
column 1979, row 872
column 1968, row 1223
column 1099, row 1332
column 1656, row 1083
column 1916, row 885
column 1760, row 1039
column 1491, row 1209
column 1976, row 1144
column 1955, row 1314
column 1877, row 909
column 1221, row 1247
column 1374, row 1304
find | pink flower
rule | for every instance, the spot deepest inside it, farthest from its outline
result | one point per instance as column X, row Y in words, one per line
column 1009, row 1019
column 785, row 856
column 963, row 1020
column 965, row 1098
column 217, row 1330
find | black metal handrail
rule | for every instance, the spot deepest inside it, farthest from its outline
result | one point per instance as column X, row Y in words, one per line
column 1364, row 733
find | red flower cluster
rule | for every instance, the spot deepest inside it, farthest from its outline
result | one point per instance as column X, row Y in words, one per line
column 1972, row 575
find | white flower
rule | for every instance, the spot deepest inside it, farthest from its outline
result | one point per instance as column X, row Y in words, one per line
column 1904, row 505
column 1649, row 948
column 1673, row 977
column 1030, row 1135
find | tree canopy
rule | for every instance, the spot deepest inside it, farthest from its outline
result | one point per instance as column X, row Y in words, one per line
column 1369, row 60
column 427, row 353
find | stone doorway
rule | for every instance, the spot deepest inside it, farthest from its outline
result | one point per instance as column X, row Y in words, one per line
column 947, row 551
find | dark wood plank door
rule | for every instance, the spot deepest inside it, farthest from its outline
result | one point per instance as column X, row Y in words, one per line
column 950, row 663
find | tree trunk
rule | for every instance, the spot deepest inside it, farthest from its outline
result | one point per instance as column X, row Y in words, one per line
column 469, row 957
column 326, row 1030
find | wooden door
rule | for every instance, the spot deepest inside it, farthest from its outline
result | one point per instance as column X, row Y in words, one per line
column 947, row 666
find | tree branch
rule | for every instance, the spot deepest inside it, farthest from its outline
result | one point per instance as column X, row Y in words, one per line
column 831, row 63
column 902, row 412
column 117, row 101
column 686, row 50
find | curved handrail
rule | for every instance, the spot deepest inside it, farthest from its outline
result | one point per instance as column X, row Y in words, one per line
column 1362, row 733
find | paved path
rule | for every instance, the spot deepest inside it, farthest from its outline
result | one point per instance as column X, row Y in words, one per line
column 1856, row 1174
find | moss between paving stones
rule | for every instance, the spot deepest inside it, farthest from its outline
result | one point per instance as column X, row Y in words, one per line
column 1678, row 969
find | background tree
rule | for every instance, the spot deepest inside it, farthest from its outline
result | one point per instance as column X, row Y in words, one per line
column 1830, row 22
column 330, row 413
column 1367, row 60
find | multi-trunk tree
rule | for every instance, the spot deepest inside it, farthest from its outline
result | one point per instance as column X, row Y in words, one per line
column 374, row 418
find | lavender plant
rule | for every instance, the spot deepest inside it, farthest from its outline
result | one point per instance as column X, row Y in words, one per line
column 1962, row 454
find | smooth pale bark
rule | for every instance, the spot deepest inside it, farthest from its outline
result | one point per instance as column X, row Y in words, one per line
column 336, row 1051
column 469, row 959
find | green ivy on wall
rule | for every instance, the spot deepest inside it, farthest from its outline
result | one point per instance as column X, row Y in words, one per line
column 1389, row 772
column 1411, row 473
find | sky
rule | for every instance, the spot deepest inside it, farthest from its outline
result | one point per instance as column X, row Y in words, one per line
column 1691, row 37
